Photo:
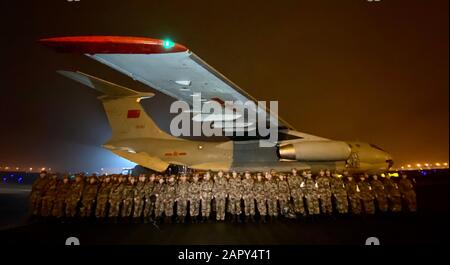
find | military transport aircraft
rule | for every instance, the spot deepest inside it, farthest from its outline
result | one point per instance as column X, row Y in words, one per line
column 174, row 70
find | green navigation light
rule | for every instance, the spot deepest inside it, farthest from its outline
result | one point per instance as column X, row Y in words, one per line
column 168, row 44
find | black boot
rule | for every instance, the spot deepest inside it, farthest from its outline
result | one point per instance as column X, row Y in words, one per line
column 263, row 219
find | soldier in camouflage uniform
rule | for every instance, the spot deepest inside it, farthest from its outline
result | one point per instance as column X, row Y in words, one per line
column 61, row 194
column 339, row 192
column 128, row 197
column 169, row 197
column 367, row 195
column 103, row 197
column 74, row 196
column 206, row 195
column 271, row 191
column 408, row 194
column 89, row 197
column 194, row 197
column 312, row 198
column 379, row 194
column 295, row 182
column 116, row 197
column 182, row 198
column 353, row 193
column 260, row 196
column 324, row 190
column 283, row 195
column 235, row 190
column 393, row 194
column 248, row 196
column 219, row 192
column 37, row 191
column 158, row 192
column 150, row 198
column 139, row 195
column 49, row 196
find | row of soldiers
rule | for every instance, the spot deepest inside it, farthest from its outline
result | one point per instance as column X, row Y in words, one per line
column 270, row 194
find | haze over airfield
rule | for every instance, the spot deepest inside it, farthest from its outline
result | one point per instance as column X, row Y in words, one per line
column 347, row 70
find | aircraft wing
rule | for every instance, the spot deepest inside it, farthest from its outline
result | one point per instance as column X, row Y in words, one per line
column 168, row 67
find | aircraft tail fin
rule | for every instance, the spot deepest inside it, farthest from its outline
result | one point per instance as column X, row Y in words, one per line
column 127, row 118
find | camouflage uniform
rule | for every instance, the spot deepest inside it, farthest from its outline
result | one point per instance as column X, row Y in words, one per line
column 393, row 195
column 219, row 192
column 150, row 198
column 260, row 197
column 169, row 198
column 324, row 191
column 74, row 196
column 367, row 197
column 408, row 194
column 312, row 199
column 37, row 192
column 127, row 198
column 235, row 190
column 194, row 198
column 102, row 199
column 182, row 198
column 297, row 194
column 283, row 196
column 380, row 195
column 115, row 198
column 354, row 197
column 158, row 192
column 206, row 195
column 340, row 194
column 248, row 195
column 139, row 195
column 271, row 192
column 49, row 197
column 61, row 194
column 88, row 199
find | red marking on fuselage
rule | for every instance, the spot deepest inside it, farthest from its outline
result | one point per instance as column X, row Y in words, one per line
column 133, row 113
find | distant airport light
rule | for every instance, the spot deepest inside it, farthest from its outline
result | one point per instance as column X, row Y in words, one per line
column 408, row 165
column 31, row 168
column 418, row 165
column 168, row 44
column 42, row 169
column 438, row 164
column 426, row 164
column 6, row 168
column 445, row 164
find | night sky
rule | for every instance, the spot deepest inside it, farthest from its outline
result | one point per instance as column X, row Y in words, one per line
column 347, row 70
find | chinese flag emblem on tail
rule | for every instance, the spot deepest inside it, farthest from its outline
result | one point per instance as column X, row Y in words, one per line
column 133, row 113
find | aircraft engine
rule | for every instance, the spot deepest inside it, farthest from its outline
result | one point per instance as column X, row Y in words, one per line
column 315, row 151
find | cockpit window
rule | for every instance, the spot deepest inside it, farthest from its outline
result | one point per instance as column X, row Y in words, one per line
column 376, row 147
